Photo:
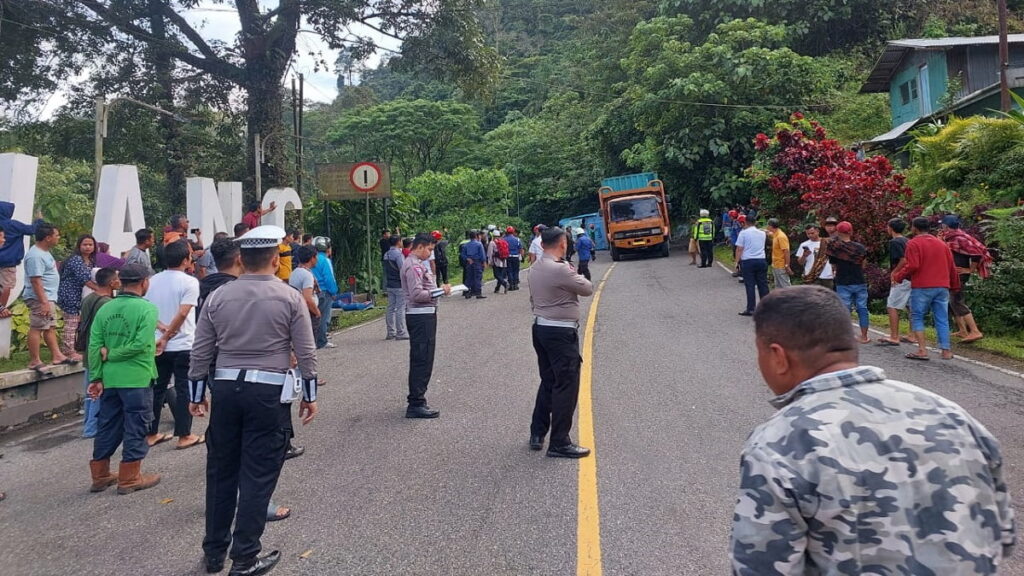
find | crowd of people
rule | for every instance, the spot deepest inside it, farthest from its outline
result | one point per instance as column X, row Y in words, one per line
column 185, row 333
column 929, row 270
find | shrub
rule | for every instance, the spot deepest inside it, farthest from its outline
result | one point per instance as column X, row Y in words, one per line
column 996, row 301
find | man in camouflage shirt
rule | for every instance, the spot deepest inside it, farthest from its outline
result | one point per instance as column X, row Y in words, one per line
column 858, row 474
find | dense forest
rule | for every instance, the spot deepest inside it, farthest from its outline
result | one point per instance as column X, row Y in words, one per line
column 504, row 112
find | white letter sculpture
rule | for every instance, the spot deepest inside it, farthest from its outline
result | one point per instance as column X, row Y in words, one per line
column 118, row 208
column 18, row 186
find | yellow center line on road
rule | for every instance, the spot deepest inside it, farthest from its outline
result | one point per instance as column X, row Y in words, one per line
column 588, row 529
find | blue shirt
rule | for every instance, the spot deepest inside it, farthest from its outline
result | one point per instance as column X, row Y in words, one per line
column 584, row 247
column 514, row 245
column 474, row 250
column 324, row 274
column 40, row 263
column 752, row 240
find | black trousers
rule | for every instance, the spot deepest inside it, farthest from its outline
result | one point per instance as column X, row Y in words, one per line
column 558, row 357
column 442, row 272
column 245, row 446
column 584, row 268
column 513, row 271
column 707, row 252
column 422, row 338
column 755, row 274
column 172, row 364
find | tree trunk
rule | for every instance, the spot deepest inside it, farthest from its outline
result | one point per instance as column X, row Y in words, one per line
column 163, row 96
column 266, row 102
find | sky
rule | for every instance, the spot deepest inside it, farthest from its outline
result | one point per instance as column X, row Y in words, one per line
column 220, row 22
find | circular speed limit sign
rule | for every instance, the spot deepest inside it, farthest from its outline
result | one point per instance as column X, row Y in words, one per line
column 365, row 176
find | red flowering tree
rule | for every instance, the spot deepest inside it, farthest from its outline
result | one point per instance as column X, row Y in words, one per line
column 801, row 176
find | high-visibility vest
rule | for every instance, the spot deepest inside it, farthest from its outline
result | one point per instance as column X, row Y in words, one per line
column 704, row 230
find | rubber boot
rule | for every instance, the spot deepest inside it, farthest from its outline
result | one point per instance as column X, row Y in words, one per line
column 130, row 478
column 101, row 476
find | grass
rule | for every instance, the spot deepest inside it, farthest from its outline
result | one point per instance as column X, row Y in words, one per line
column 19, row 360
column 1011, row 347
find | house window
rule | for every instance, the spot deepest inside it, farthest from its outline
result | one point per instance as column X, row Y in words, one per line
column 908, row 92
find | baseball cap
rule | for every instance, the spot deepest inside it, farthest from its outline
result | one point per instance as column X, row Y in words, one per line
column 132, row 273
column 844, row 227
column 951, row 220
column 436, row 234
column 831, row 220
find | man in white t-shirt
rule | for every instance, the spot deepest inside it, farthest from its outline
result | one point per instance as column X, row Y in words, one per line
column 536, row 250
column 175, row 295
column 808, row 252
column 750, row 253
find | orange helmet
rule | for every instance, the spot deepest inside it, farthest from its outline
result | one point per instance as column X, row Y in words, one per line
column 436, row 235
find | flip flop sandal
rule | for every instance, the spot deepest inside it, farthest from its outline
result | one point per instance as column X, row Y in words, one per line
column 276, row 516
column 163, row 438
column 885, row 342
column 70, row 361
column 913, row 356
column 971, row 340
column 200, row 440
column 906, row 340
column 42, row 369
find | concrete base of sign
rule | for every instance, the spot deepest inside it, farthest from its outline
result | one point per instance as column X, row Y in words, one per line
column 25, row 397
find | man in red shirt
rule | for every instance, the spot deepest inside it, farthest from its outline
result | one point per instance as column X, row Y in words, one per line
column 254, row 217
column 928, row 263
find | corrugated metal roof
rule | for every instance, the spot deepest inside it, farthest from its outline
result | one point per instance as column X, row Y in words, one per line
column 894, row 133
column 896, row 50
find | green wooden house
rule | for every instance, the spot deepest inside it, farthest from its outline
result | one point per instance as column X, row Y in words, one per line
column 929, row 79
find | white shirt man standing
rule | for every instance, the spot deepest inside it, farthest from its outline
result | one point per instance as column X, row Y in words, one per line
column 175, row 295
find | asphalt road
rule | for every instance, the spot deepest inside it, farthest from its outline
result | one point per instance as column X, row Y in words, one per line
column 675, row 393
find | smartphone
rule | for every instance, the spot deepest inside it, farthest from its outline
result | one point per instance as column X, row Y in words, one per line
column 195, row 230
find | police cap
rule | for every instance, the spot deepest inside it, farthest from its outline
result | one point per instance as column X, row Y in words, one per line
column 262, row 237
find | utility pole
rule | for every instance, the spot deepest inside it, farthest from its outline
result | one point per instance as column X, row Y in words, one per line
column 103, row 108
column 1004, row 58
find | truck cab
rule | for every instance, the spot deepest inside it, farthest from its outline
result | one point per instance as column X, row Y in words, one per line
column 635, row 213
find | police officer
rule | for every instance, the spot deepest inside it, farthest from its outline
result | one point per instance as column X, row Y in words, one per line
column 421, row 294
column 252, row 326
column 555, row 288
column 704, row 234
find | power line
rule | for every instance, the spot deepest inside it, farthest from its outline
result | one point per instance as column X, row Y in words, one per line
column 664, row 101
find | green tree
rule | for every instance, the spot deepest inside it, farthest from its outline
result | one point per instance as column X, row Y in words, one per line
column 551, row 159
column 413, row 135
column 694, row 109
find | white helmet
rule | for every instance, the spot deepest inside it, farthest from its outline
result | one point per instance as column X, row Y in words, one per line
column 704, row 213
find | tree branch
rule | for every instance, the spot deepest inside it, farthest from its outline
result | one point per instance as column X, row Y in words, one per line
column 216, row 66
column 182, row 25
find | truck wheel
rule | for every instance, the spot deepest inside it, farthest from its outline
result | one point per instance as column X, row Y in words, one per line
column 665, row 249
column 615, row 254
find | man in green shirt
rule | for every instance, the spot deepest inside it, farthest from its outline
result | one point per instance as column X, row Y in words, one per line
column 122, row 367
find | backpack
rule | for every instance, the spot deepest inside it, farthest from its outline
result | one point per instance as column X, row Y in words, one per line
column 501, row 248
column 82, row 331
column 441, row 253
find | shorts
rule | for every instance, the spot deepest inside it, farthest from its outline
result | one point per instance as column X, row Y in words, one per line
column 899, row 296
column 36, row 319
column 8, row 277
column 958, row 304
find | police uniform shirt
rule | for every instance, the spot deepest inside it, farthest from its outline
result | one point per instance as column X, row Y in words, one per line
column 555, row 288
column 254, row 323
